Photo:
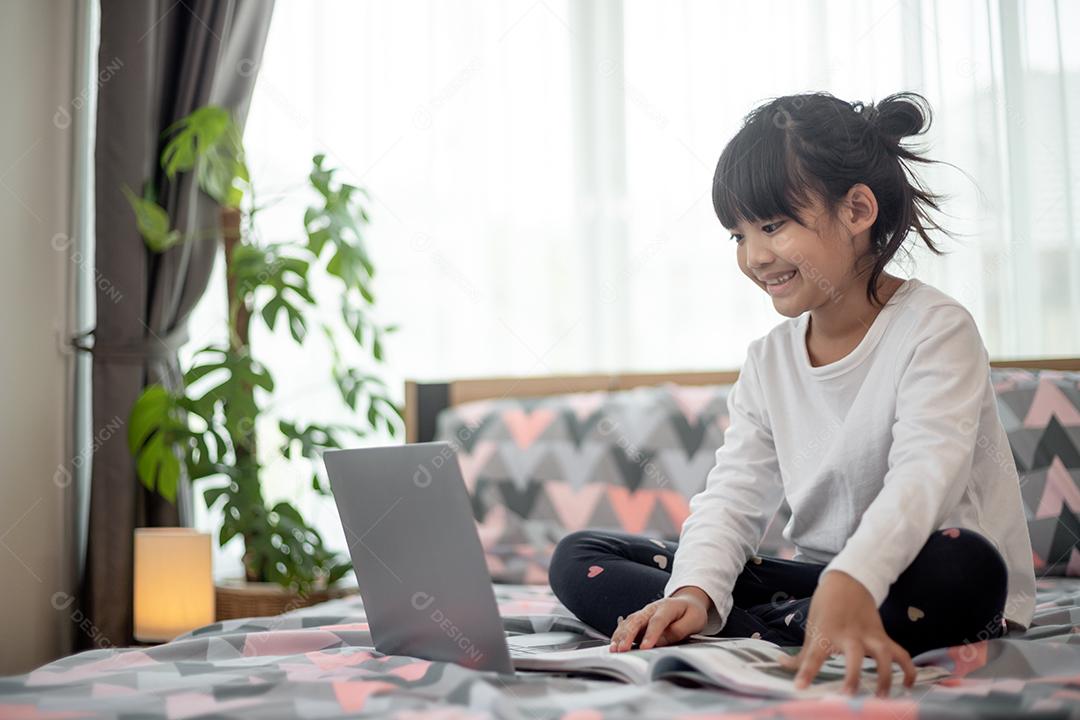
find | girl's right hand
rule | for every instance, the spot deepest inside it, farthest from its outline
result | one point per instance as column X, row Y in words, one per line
column 665, row 621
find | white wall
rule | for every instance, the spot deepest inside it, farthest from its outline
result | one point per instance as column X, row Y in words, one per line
column 37, row 41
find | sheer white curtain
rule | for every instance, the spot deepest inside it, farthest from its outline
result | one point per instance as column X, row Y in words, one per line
column 541, row 171
column 1006, row 92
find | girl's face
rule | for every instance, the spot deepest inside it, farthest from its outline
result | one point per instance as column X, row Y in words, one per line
column 802, row 267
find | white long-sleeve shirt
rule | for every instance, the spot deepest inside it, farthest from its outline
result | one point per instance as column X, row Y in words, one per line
column 873, row 452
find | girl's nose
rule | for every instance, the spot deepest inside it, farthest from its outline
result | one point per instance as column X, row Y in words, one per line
column 758, row 252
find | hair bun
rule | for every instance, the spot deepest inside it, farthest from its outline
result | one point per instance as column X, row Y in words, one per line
column 900, row 115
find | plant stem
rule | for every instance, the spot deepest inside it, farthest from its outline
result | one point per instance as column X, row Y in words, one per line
column 239, row 310
column 240, row 342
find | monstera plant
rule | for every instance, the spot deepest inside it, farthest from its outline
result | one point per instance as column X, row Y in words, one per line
column 206, row 427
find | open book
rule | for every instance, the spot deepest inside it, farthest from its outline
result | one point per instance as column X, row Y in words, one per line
column 742, row 665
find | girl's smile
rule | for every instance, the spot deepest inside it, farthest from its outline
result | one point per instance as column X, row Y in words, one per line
column 781, row 283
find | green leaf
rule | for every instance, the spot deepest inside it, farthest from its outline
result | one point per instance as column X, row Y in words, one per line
column 365, row 291
column 152, row 222
column 349, row 387
column 208, row 142
column 312, row 439
column 200, row 459
column 319, row 177
column 317, row 239
column 339, row 222
column 297, row 324
column 198, row 372
column 337, row 572
column 168, row 479
column 236, row 365
column 191, row 135
column 301, row 289
column 228, row 532
column 158, row 468
column 147, row 415
column 389, row 420
column 397, row 410
column 212, row 495
column 154, row 431
column 355, row 321
column 348, row 265
column 271, row 310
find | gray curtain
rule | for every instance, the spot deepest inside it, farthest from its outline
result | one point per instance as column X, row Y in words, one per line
column 167, row 58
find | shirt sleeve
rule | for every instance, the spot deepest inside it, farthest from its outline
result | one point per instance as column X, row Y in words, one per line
column 729, row 516
column 939, row 397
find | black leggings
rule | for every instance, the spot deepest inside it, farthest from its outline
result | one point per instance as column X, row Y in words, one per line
column 953, row 591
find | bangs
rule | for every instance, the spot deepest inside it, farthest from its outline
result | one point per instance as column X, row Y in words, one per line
column 756, row 176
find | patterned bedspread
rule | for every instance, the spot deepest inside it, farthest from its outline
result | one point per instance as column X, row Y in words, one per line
column 319, row 662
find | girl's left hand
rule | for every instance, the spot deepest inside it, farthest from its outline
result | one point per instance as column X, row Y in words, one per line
column 844, row 618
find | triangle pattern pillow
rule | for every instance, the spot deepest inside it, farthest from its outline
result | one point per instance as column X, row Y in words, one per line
column 1040, row 410
column 539, row 468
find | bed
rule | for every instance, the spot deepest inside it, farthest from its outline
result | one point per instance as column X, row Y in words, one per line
column 319, row 661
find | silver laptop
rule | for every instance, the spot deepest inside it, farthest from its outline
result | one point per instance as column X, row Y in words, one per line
column 409, row 525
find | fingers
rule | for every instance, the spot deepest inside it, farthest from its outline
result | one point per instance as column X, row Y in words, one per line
column 620, row 632
column 662, row 624
column 791, row 662
column 629, row 627
column 853, row 656
column 653, row 628
column 681, row 628
column 657, row 624
column 885, row 654
column 616, row 636
column 811, row 662
column 883, row 657
column 904, row 658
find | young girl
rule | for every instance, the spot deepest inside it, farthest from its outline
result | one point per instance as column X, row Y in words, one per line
column 870, row 409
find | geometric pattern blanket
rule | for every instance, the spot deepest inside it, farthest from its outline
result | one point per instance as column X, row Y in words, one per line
column 319, row 662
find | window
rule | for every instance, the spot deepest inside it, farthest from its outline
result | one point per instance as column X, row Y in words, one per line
column 541, row 170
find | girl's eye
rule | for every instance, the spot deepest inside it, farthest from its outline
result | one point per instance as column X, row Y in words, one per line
column 768, row 229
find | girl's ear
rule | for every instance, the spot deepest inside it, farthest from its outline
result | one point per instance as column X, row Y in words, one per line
column 860, row 208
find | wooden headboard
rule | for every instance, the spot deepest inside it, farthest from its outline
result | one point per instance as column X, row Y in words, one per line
column 424, row 400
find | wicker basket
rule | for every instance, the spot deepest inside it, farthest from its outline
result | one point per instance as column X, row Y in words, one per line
column 241, row 599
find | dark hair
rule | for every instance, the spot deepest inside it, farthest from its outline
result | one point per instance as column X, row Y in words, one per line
column 796, row 145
